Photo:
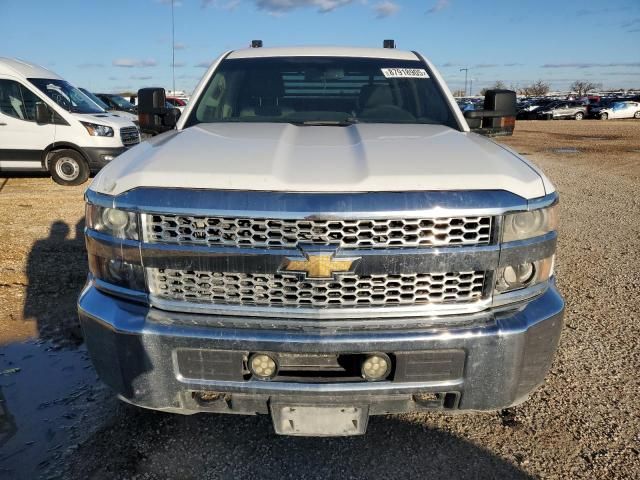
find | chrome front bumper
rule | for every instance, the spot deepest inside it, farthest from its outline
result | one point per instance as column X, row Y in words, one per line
column 506, row 354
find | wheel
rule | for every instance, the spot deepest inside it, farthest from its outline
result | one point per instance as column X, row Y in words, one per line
column 636, row 115
column 579, row 116
column 68, row 167
column 604, row 116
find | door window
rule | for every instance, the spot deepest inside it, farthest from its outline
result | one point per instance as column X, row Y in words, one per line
column 17, row 101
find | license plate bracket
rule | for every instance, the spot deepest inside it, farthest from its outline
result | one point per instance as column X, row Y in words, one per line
column 320, row 420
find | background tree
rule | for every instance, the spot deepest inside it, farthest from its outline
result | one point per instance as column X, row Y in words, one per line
column 498, row 85
column 458, row 93
column 536, row 89
column 582, row 87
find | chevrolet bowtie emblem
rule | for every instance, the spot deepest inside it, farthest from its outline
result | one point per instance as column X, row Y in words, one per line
column 318, row 265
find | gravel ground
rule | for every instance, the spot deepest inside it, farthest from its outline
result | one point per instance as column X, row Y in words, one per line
column 583, row 423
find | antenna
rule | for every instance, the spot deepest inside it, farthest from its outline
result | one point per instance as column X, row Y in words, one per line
column 173, row 48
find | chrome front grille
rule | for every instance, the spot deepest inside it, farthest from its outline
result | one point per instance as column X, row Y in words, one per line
column 292, row 290
column 129, row 136
column 278, row 233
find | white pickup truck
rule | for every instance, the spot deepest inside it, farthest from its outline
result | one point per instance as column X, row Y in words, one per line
column 320, row 237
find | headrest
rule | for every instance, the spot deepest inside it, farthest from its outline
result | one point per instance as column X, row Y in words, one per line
column 372, row 96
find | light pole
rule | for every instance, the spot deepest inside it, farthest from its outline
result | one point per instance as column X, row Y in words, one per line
column 466, row 72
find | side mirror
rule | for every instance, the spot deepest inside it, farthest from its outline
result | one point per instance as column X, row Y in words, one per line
column 43, row 114
column 498, row 117
column 153, row 115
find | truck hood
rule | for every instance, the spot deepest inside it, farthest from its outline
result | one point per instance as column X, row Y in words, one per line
column 286, row 157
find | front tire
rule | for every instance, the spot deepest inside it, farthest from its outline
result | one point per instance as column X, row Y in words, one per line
column 579, row 116
column 68, row 168
column 636, row 115
column 604, row 116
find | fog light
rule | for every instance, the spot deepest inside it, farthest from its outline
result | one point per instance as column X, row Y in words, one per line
column 262, row 366
column 519, row 274
column 376, row 367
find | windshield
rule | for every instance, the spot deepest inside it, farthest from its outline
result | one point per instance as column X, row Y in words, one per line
column 66, row 95
column 95, row 99
column 121, row 102
column 322, row 90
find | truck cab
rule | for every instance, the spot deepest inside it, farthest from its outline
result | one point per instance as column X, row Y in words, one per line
column 320, row 237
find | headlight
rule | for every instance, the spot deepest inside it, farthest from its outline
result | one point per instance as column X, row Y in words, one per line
column 96, row 130
column 523, row 225
column 112, row 221
column 515, row 277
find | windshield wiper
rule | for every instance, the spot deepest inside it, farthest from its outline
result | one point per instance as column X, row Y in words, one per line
column 326, row 123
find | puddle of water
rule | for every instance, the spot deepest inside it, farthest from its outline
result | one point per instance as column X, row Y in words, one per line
column 46, row 393
column 566, row 150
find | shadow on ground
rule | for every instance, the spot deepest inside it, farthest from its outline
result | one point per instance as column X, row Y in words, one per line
column 56, row 272
column 157, row 445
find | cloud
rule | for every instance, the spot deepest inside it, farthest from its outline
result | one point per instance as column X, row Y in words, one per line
column 386, row 8
column 439, row 6
column 179, row 46
column 590, row 65
column 282, row 6
column 632, row 25
column 485, row 65
column 203, row 65
column 176, row 3
column 130, row 63
column 140, row 77
column 449, row 64
column 513, row 64
column 91, row 65
column 179, row 64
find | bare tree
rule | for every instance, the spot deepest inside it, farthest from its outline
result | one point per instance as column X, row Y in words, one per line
column 498, row 85
column 582, row 87
column 458, row 93
column 536, row 89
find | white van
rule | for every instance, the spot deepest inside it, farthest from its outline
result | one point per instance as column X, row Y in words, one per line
column 47, row 124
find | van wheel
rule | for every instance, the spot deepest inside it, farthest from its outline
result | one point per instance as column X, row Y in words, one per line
column 604, row 116
column 636, row 115
column 579, row 116
column 68, row 167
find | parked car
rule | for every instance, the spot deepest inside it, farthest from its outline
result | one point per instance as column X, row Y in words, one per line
column 47, row 124
column 620, row 110
column 530, row 111
column 178, row 103
column 103, row 105
column 575, row 110
column 320, row 258
column 117, row 102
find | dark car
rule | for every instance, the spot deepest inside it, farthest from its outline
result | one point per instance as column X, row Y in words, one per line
column 531, row 109
column 566, row 110
column 116, row 102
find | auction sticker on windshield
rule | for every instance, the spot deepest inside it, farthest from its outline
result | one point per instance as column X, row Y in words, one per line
column 404, row 72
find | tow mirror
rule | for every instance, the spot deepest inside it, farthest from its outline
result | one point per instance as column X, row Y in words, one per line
column 153, row 115
column 43, row 115
column 498, row 117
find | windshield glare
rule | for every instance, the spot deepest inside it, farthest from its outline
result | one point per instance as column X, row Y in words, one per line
column 66, row 95
column 95, row 99
column 331, row 90
column 121, row 102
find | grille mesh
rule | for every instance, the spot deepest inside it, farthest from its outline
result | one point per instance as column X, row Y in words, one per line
column 129, row 136
column 347, row 290
column 271, row 233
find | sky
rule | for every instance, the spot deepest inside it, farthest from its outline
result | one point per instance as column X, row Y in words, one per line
column 114, row 46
